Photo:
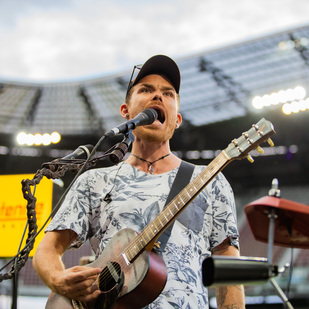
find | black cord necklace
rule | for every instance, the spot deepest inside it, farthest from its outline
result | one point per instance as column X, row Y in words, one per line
column 150, row 164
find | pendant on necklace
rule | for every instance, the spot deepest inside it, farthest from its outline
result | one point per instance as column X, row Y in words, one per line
column 151, row 169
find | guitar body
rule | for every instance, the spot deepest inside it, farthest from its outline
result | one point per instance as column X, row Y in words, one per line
column 123, row 286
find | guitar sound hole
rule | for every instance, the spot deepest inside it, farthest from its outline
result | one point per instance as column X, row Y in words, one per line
column 109, row 276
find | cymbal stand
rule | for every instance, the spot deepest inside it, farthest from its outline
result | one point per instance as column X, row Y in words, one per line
column 274, row 191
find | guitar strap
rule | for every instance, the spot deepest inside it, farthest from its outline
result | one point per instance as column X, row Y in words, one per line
column 182, row 178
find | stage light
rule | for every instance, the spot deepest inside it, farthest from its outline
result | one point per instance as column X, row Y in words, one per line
column 55, row 137
column 21, row 138
column 38, row 139
column 295, row 107
column 299, row 93
column 29, row 140
column 292, row 100
column 257, row 102
column 46, row 139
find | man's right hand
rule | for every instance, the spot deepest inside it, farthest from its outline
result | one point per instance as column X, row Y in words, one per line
column 76, row 283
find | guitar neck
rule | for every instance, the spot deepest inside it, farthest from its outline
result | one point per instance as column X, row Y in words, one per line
column 237, row 149
column 170, row 212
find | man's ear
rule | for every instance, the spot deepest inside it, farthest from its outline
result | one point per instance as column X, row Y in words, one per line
column 124, row 110
column 178, row 121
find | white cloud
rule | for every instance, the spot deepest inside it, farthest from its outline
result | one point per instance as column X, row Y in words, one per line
column 94, row 37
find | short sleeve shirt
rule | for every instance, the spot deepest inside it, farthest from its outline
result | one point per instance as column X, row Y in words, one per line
column 134, row 199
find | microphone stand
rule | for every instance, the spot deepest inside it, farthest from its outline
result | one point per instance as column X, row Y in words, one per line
column 53, row 170
column 122, row 148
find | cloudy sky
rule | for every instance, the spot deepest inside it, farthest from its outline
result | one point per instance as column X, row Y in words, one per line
column 44, row 40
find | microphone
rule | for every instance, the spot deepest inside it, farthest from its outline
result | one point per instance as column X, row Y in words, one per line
column 147, row 116
column 82, row 152
column 227, row 270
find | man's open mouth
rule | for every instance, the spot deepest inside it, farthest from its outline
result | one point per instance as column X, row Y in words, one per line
column 161, row 114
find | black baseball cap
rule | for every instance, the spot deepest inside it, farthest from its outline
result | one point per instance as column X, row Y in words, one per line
column 161, row 65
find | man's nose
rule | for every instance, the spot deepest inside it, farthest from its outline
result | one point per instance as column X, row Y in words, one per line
column 157, row 96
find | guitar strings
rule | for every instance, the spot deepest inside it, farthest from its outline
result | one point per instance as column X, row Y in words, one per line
column 106, row 274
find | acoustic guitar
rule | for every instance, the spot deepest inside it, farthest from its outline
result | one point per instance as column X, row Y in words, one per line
column 133, row 275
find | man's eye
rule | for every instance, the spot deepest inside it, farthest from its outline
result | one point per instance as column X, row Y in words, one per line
column 145, row 90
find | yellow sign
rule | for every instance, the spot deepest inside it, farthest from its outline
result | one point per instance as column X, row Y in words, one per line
column 13, row 211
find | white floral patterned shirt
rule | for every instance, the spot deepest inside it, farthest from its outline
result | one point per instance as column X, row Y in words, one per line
column 136, row 199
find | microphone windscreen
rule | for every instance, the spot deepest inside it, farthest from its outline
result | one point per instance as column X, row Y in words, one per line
column 227, row 270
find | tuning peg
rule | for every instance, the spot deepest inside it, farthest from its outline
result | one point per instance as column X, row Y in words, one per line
column 270, row 142
column 260, row 149
column 250, row 159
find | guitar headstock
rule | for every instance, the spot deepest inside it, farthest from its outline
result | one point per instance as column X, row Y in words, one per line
column 240, row 147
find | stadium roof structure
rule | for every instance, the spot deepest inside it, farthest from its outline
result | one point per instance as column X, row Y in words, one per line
column 217, row 91
column 217, row 85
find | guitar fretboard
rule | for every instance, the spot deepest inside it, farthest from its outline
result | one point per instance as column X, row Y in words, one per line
column 169, row 213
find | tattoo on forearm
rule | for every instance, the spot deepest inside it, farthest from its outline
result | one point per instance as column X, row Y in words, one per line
column 222, row 292
column 223, row 297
